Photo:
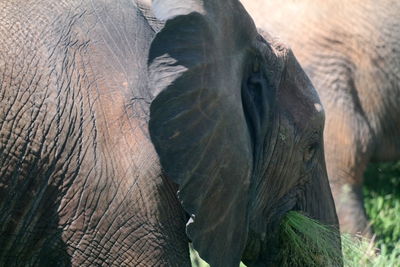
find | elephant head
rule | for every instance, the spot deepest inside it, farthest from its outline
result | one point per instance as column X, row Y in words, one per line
column 238, row 126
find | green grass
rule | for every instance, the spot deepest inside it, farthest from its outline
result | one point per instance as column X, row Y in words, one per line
column 306, row 242
column 382, row 202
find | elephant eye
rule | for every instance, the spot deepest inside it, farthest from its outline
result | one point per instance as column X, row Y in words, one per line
column 310, row 152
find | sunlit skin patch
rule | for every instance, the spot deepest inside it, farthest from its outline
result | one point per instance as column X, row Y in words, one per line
column 318, row 107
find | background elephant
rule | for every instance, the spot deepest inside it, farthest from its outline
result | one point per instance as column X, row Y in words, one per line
column 232, row 118
column 351, row 52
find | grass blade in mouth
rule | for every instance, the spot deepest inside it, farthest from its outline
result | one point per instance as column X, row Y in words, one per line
column 306, row 242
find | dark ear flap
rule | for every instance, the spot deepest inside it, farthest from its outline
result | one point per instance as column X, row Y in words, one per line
column 197, row 123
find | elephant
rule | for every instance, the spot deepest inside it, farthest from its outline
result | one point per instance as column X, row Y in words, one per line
column 351, row 52
column 129, row 130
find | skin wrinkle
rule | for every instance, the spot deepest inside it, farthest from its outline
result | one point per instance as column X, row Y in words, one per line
column 112, row 222
column 273, row 142
column 25, row 146
column 108, row 45
column 272, row 151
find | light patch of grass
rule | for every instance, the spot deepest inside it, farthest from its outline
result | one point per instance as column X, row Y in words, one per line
column 386, row 257
column 357, row 251
column 198, row 262
column 362, row 252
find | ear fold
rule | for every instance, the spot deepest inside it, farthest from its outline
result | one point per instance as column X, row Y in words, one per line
column 197, row 123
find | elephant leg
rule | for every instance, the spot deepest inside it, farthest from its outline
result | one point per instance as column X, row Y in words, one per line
column 350, row 209
column 348, row 151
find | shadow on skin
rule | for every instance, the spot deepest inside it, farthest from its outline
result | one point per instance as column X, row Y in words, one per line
column 39, row 241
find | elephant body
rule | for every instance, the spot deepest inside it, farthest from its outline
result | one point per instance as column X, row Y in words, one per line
column 351, row 52
column 80, row 177
column 106, row 111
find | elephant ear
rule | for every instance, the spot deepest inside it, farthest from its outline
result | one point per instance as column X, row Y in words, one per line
column 197, row 66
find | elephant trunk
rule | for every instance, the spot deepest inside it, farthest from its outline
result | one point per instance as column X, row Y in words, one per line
column 320, row 219
column 316, row 199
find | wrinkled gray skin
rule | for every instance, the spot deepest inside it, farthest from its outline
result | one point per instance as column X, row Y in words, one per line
column 351, row 51
column 91, row 104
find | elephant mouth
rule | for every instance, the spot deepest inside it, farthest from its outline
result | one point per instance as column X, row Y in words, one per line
column 263, row 247
column 297, row 241
column 265, row 243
